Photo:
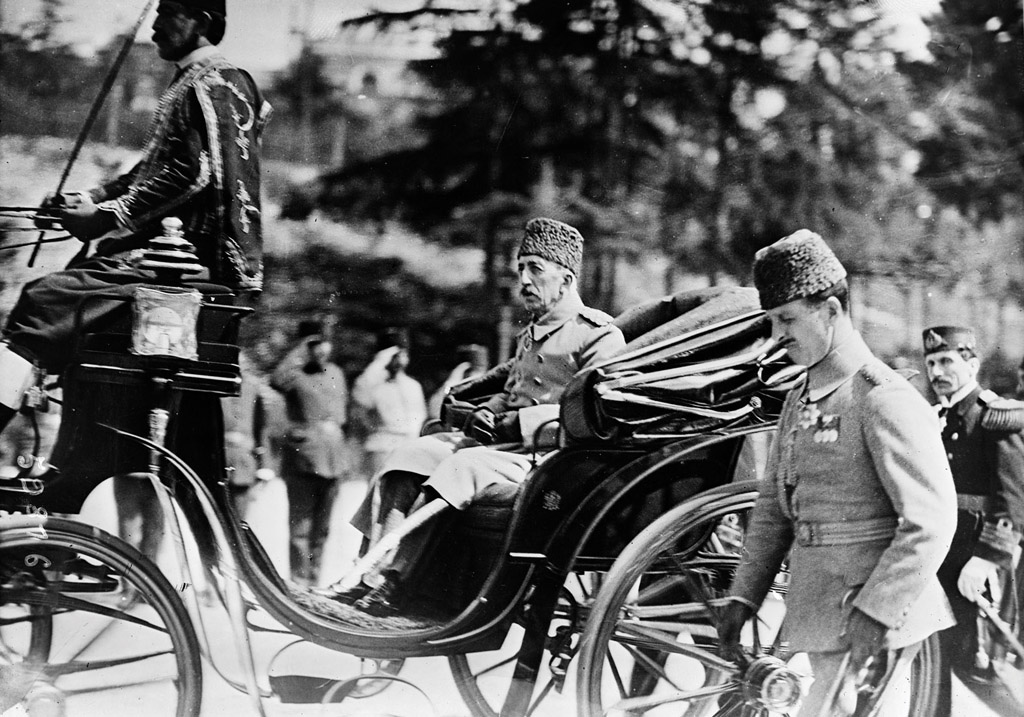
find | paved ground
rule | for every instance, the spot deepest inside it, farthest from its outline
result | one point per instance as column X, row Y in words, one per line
column 431, row 675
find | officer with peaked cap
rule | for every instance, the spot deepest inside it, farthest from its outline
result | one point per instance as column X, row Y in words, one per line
column 563, row 337
column 857, row 492
column 981, row 433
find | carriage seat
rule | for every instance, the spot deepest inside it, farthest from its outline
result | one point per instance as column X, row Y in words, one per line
column 643, row 325
column 104, row 352
column 455, row 573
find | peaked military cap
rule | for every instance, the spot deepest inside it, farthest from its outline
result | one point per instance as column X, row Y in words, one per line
column 554, row 241
column 217, row 6
column 949, row 338
column 795, row 267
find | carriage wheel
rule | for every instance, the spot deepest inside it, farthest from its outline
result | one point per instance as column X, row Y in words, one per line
column 483, row 679
column 650, row 646
column 90, row 626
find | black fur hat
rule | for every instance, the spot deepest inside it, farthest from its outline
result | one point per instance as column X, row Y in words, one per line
column 555, row 242
column 795, row 267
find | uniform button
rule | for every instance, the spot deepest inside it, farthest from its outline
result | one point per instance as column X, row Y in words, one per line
column 537, row 380
column 540, row 358
column 949, row 456
column 535, row 401
column 954, row 436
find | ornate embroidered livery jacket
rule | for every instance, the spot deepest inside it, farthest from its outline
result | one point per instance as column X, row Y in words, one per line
column 200, row 164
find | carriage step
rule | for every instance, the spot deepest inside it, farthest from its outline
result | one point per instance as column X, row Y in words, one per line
column 304, row 673
column 307, row 689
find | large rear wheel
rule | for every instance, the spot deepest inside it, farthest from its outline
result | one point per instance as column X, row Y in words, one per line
column 650, row 645
column 89, row 626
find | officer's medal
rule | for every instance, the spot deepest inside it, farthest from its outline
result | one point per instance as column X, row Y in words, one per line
column 826, row 427
column 809, row 415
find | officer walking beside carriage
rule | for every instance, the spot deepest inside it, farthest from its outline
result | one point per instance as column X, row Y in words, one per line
column 983, row 441
column 857, row 492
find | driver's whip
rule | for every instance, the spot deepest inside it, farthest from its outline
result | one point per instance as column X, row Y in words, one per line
column 94, row 112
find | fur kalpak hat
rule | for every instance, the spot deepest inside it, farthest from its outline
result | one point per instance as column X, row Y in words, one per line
column 949, row 338
column 795, row 267
column 555, row 242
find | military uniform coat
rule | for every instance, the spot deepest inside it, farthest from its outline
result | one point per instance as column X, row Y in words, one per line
column 549, row 352
column 858, row 486
column 316, row 402
column 985, row 449
column 986, row 456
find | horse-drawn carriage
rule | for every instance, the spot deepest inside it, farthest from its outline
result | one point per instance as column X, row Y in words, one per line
column 606, row 568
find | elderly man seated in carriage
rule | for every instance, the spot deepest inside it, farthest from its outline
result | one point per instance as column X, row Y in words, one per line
column 497, row 437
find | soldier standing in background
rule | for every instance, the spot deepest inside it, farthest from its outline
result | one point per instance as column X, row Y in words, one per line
column 392, row 404
column 313, row 455
column 981, row 434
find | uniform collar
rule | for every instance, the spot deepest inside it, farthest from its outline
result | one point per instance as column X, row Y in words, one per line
column 200, row 54
column 840, row 364
column 962, row 399
column 561, row 312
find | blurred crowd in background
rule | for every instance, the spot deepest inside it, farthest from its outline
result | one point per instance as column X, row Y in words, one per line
column 305, row 423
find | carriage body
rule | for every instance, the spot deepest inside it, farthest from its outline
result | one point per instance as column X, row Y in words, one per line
column 581, row 505
column 685, row 410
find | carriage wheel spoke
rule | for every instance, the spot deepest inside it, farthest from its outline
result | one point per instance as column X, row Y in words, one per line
column 650, row 665
column 662, row 586
column 642, row 636
column 68, row 604
column 616, row 674
column 78, row 666
column 648, row 702
column 582, row 585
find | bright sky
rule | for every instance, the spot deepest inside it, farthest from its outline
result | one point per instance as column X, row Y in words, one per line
column 260, row 32
column 259, row 37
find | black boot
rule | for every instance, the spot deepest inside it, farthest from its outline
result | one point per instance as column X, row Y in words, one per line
column 384, row 600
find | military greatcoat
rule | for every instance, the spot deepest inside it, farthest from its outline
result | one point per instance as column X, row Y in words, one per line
column 550, row 351
column 858, row 486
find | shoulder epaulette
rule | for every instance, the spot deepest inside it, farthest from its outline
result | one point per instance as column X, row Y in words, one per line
column 875, row 373
column 1001, row 414
column 595, row 316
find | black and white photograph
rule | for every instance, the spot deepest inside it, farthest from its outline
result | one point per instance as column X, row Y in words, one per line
column 512, row 358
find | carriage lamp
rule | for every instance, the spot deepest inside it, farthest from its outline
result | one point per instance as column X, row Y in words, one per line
column 164, row 322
